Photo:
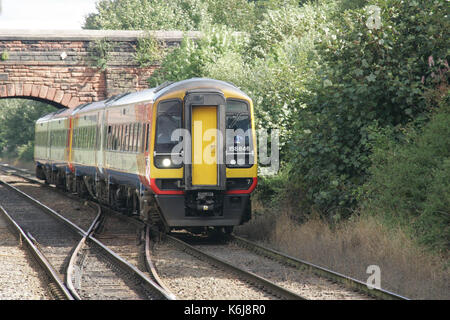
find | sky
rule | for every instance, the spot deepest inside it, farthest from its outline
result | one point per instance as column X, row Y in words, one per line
column 45, row 14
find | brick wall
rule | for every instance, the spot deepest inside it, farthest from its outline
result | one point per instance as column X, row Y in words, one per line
column 55, row 66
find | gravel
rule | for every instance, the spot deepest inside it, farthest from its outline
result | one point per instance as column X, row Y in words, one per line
column 303, row 283
column 192, row 279
column 20, row 276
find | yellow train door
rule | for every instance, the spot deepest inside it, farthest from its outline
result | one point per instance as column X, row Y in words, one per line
column 204, row 144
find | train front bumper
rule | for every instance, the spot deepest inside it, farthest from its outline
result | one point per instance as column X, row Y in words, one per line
column 235, row 211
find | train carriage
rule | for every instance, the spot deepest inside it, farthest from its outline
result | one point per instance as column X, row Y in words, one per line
column 52, row 146
column 182, row 155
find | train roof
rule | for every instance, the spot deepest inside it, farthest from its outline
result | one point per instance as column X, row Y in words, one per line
column 89, row 107
column 52, row 115
column 147, row 95
column 197, row 83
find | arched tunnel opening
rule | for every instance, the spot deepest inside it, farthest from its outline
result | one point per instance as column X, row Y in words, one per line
column 17, row 122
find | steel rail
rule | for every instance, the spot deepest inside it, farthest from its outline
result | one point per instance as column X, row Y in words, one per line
column 347, row 281
column 79, row 247
column 88, row 237
column 152, row 270
column 150, row 265
column 248, row 276
column 63, row 293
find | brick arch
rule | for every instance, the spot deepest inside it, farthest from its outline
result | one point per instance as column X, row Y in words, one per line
column 50, row 95
column 57, row 66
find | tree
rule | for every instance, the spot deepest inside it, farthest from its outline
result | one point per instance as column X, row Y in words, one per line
column 17, row 118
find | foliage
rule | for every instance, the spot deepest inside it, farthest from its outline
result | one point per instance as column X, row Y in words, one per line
column 170, row 14
column 369, row 75
column 149, row 51
column 99, row 52
column 25, row 152
column 332, row 75
column 4, row 56
column 410, row 179
column 193, row 58
column 17, row 118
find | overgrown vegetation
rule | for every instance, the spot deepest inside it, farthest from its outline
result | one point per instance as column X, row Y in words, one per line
column 17, row 118
column 409, row 181
column 357, row 88
column 99, row 52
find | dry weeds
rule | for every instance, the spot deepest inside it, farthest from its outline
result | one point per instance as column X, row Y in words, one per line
column 351, row 246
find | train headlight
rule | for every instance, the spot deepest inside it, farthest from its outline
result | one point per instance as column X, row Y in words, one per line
column 166, row 162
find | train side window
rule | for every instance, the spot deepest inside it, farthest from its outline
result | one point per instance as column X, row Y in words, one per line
column 108, row 137
column 93, row 137
column 91, row 146
column 88, row 137
column 80, row 138
column 124, row 137
column 131, row 137
column 147, row 134
column 113, row 137
column 119, row 137
column 138, row 138
column 135, row 137
column 128, row 137
column 84, row 140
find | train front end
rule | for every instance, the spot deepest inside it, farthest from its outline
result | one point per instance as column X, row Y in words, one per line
column 203, row 156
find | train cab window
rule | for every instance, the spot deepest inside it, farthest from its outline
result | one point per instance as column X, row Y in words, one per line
column 168, row 120
column 238, row 136
column 237, row 115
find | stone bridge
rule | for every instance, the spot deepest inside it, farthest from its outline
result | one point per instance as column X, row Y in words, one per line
column 61, row 67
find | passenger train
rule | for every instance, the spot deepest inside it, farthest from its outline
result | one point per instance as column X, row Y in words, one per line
column 178, row 156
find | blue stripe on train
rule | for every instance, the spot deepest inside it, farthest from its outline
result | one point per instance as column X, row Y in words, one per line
column 116, row 177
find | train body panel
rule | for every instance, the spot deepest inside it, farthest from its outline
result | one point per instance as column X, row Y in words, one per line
column 165, row 154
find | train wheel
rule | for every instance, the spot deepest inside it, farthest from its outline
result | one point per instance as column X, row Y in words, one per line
column 136, row 205
column 149, row 213
column 228, row 229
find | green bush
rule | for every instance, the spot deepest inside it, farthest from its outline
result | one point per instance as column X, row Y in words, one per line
column 194, row 58
column 26, row 152
column 370, row 74
column 410, row 180
column 170, row 14
column 17, row 118
column 334, row 76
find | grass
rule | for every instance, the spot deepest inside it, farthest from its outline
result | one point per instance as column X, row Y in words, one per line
column 351, row 246
column 12, row 160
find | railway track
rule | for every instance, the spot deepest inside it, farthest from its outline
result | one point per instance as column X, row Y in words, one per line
column 312, row 281
column 347, row 288
column 244, row 275
column 93, row 270
column 304, row 266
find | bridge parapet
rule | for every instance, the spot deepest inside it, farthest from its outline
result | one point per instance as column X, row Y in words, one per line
column 56, row 66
